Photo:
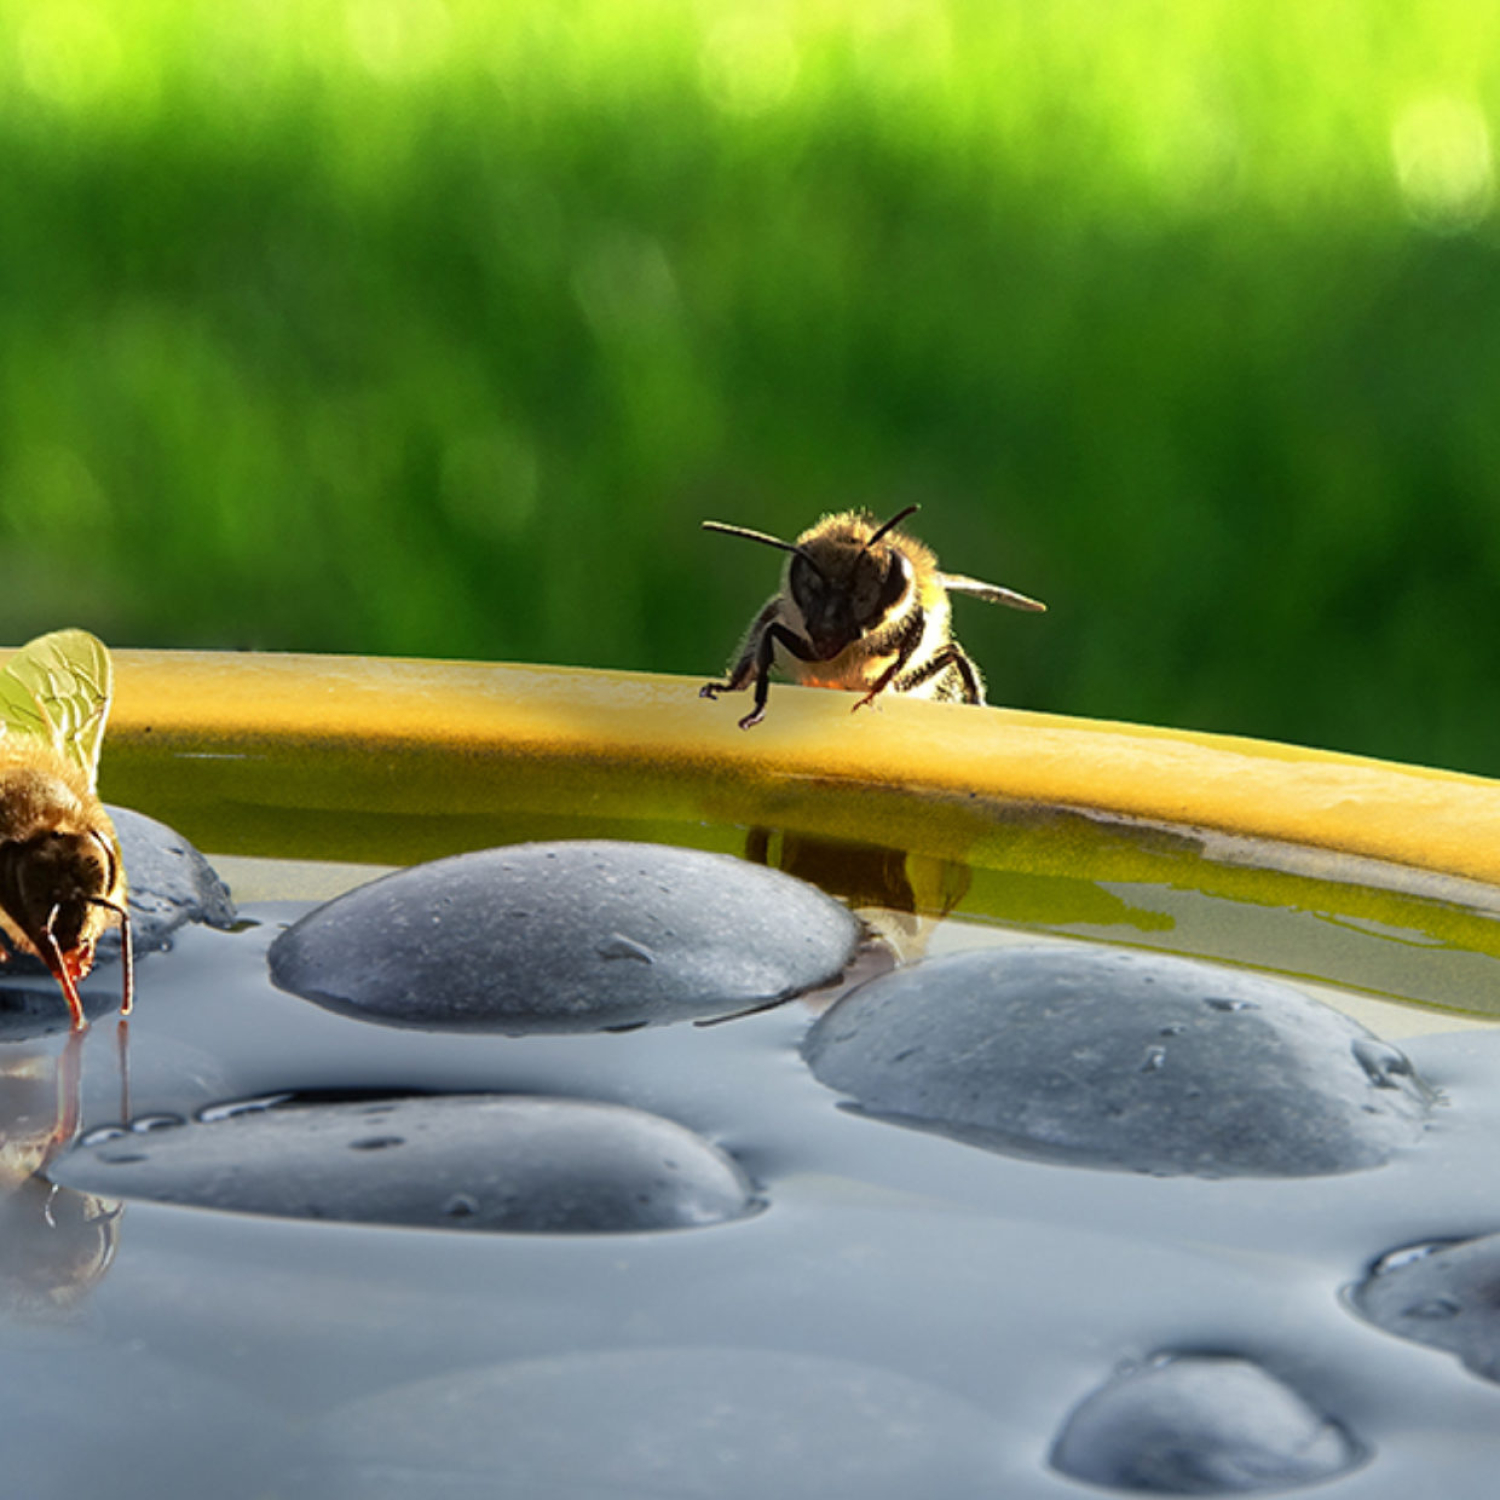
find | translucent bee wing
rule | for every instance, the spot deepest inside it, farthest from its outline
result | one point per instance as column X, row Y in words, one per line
column 59, row 687
column 956, row 583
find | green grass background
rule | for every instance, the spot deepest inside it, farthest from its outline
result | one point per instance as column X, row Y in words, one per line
column 434, row 327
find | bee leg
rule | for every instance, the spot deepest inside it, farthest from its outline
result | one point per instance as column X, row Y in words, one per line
column 765, row 654
column 744, row 665
column 951, row 657
column 906, row 643
column 739, row 677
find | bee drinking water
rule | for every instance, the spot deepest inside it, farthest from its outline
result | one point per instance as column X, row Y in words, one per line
column 62, row 878
column 864, row 608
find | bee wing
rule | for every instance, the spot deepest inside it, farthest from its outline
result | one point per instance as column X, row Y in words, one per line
column 956, row 583
column 59, row 686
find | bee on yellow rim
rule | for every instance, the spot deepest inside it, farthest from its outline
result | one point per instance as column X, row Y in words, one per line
column 863, row 608
column 62, row 880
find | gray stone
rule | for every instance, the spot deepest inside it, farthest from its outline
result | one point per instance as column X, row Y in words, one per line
column 171, row 884
column 156, row 1427
column 574, row 936
column 459, row 1161
column 691, row 1423
column 1199, row 1424
column 1446, row 1294
column 1108, row 1058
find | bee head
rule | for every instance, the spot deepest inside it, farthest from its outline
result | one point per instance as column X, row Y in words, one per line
column 845, row 582
column 57, row 888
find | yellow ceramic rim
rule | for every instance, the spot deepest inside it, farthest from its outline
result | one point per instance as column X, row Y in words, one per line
column 351, row 735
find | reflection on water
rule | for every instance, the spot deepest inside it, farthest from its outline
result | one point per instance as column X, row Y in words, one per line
column 900, row 895
column 55, row 1243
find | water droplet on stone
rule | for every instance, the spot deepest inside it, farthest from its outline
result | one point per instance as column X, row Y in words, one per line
column 618, row 946
column 1382, row 1063
column 214, row 1112
column 1436, row 1308
column 1393, row 1260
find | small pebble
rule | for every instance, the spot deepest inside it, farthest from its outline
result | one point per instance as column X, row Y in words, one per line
column 1197, row 1424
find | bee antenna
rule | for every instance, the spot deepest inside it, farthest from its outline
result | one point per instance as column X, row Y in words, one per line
column 894, row 521
column 753, row 536
column 767, row 539
column 127, row 950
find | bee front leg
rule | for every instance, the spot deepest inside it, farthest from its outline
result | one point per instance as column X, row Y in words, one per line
column 738, row 677
column 756, row 658
column 906, row 643
column 744, row 664
column 773, row 635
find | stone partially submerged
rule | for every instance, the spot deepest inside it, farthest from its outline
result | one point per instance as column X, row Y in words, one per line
column 171, row 884
column 1108, row 1058
column 1200, row 1424
column 573, row 936
column 726, row 1423
column 1445, row 1294
column 475, row 1162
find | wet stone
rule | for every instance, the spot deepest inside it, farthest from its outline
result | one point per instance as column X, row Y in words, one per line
column 171, row 884
column 1201, row 1425
column 692, row 1423
column 1445, row 1294
column 574, row 936
column 467, row 1161
column 156, row 1426
column 1107, row 1058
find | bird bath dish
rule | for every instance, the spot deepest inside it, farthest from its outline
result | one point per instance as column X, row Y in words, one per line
column 1058, row 1168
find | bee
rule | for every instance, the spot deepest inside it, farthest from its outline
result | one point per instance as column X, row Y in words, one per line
column 863, row 608
column 62, row 879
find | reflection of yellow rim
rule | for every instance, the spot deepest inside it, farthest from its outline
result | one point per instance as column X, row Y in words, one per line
column 348, row 735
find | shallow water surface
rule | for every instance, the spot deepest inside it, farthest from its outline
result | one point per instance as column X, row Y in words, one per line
column 905, row 1312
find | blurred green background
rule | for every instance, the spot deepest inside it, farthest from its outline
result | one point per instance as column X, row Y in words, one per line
column 434, row 327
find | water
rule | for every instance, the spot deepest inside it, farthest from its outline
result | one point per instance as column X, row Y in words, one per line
column 905, row 1313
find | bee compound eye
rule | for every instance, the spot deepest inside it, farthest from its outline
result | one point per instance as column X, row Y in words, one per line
column 805, row 581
